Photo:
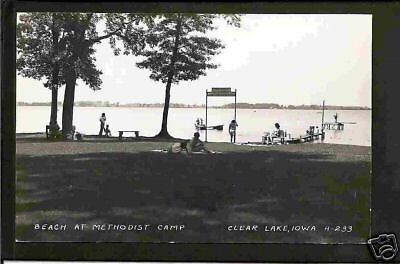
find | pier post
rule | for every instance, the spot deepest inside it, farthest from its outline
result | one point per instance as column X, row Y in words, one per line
column 206, row 115
column 235, row 105
column 323, row 111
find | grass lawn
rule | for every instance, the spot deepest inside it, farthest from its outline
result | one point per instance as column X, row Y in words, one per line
column 125, row 183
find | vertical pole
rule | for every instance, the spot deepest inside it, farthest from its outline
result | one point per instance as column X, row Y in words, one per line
column 206, row 115
column 323, row 110
column 235, row 106
column 235, row 117
column 323, row 126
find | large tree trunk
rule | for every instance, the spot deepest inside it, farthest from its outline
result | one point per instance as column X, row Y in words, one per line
column 53, row 115
column 164, row 131
column 54, row 127
column 68, row 106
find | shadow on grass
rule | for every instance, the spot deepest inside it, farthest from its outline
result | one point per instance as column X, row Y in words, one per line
column 206, row 193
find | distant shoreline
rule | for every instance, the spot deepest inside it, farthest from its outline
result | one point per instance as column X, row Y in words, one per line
column 227, row 106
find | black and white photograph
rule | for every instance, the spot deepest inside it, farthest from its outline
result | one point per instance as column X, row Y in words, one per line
column 193, row 127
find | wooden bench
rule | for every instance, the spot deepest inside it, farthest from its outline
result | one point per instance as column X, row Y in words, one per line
column 121, row 132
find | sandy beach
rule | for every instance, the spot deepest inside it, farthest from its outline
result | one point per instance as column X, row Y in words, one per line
column 107, row 184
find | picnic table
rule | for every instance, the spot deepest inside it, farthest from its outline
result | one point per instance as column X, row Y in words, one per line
column 121, row 132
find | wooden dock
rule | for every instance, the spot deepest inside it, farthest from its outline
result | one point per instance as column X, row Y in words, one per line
column 313, row 137
column 333, row 126
column 301, row 139
column 306, row 138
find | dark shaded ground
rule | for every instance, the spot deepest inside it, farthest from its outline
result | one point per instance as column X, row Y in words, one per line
column 206, row 193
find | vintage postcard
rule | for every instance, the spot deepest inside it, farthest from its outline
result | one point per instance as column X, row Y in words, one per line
column 193, row 127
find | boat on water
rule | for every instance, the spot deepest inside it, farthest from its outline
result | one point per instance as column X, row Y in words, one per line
column 218, row 127
column 203, row 127
column 199, row 125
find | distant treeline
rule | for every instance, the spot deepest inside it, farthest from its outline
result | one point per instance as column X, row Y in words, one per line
column 110, row 104
column 300, row 107
column 174, row 105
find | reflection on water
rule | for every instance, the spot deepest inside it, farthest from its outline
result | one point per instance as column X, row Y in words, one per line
column 252, row 123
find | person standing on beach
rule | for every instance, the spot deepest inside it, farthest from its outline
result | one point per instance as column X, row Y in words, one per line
column 335, row 117
column 102, row 123
column 232, row 130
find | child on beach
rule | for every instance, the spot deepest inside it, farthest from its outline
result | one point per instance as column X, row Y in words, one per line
column 232, row 130
column 108, row 131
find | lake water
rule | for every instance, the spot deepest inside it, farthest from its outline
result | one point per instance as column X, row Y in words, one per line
column 252, row 122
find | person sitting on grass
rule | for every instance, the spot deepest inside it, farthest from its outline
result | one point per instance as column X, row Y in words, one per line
column 196, row 145
column 178, row 147
column 107, row 131
column 78, row 136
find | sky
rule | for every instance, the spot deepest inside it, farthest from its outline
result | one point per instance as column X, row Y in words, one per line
column 271, row 58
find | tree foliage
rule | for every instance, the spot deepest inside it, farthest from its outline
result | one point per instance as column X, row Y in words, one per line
column 81, row 34
column 71, row 33
column 40, row 42
column 36, row 56
column 58, row 49
column 176, row 48
column 161, row 34
column 128, row 29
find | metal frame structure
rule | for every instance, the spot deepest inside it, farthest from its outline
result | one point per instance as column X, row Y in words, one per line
column 225, row 91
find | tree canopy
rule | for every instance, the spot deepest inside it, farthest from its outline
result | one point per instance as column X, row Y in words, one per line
column 37, row 36
column 40, row 48
column 176, row 48
column 57, row 48
column 46, row 41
